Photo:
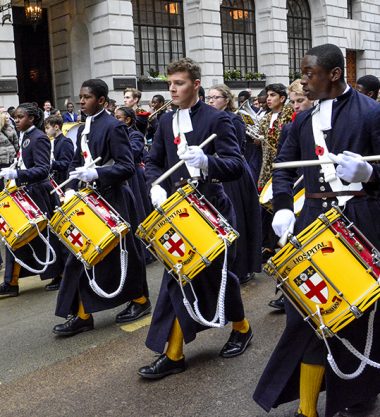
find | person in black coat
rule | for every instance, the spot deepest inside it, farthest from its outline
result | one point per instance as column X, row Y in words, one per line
column 61, row 157
column 32, row 171
column 243, row 194
column 103, row 136
column 350, row 121
column 193, row 123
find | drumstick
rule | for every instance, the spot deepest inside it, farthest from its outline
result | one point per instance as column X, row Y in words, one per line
column 180, row 163
column 316, row 162
column 59, row 186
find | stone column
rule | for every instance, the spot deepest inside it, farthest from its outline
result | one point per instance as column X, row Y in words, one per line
column 8, row 71
column 272, row 40
column 203, row 38
column 113, row 45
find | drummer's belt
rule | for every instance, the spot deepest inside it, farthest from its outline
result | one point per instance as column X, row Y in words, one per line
column 332, row 194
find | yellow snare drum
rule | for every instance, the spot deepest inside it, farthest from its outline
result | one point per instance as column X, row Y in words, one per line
column 186, row 233
column 88, row 226
column 329, row 266
column 20, row 217
column 266, row 196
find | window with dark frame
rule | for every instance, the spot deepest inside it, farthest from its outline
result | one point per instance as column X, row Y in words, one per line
column 239, row 36
column 159, row 35
column 349, row 9
column 299, row 34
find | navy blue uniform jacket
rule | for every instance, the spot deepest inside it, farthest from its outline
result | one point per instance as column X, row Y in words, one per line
column 63, row 155
column 355, row 127
column 227, row 166
column 244, row 196
column 35, row 148
column 108, row 139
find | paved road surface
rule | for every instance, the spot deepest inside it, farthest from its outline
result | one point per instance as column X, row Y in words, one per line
column 94, row 374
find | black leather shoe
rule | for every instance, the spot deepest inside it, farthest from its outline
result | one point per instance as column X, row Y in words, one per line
column 249, row 277
column 54, row 284
column 266, row 254
column 7, row 290
column 278, row 304
column 133, row 312
column 161, row 367
column 362, row 409
column 236, row 344
column 74, row 326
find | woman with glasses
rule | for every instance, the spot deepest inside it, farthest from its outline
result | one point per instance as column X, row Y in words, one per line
column 243, row 194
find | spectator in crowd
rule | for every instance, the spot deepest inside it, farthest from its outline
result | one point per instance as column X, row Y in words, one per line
column 47, row 109
column 70, row 116
column 8, row 144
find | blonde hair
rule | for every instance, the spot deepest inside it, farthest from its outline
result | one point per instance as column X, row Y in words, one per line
column 296, row 87
column 135, row 93
column 3, row 120
column 226, row 92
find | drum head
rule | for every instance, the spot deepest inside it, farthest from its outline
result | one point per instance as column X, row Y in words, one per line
column 70, row 130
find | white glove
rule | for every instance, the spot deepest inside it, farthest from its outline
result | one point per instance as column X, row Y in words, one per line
column 283, row 222
column 8, row 173
column 84, row 174
column 68, row 195
column 351, row 168
column 158, row 195
column 195, row 157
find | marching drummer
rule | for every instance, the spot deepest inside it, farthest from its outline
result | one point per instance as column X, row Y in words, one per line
column 343, row 120
column 191, row 125
column 31, row 169
column 103, row 136
column 62, row 153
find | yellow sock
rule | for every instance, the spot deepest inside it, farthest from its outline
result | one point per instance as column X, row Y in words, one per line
column 141, row 300
column 241, row 326
column 81, row 313
column 175, row 343
column 15, row 274
column 311, row 379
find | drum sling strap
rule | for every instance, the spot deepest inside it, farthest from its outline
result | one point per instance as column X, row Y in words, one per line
column 19, row 163
column 122, row 240
column 180, row 125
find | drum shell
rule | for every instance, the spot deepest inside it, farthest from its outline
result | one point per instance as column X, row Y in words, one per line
column 88, row 226
column 188, row 220
column 22, row 220
column 342, row 267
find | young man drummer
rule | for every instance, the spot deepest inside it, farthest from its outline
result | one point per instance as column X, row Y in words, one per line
column 344, row 120
column 107, row 138
column 171, row 323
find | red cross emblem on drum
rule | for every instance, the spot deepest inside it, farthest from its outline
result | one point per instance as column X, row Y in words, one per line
column 74, row 236
column 312, row 285
column 173, row 243
column 3, row 226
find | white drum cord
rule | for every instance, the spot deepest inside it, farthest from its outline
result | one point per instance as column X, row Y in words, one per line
column 219, row 319
column 364, row 358
column 123, row 273
column 49, row 250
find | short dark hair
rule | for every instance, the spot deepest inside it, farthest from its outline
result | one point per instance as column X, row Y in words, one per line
column 128, row 112
column 201, row 92
column 262, row 93
column 278, row 88
column 97, row 86
column 54, row 120
column 159, row 98
column 245, row 94
column 329, row 56
column 370, row 83
column 185, row 65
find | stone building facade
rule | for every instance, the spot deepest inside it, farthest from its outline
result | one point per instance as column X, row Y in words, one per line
column 97, row 38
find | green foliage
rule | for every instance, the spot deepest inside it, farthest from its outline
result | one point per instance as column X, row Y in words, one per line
column 233, row 74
